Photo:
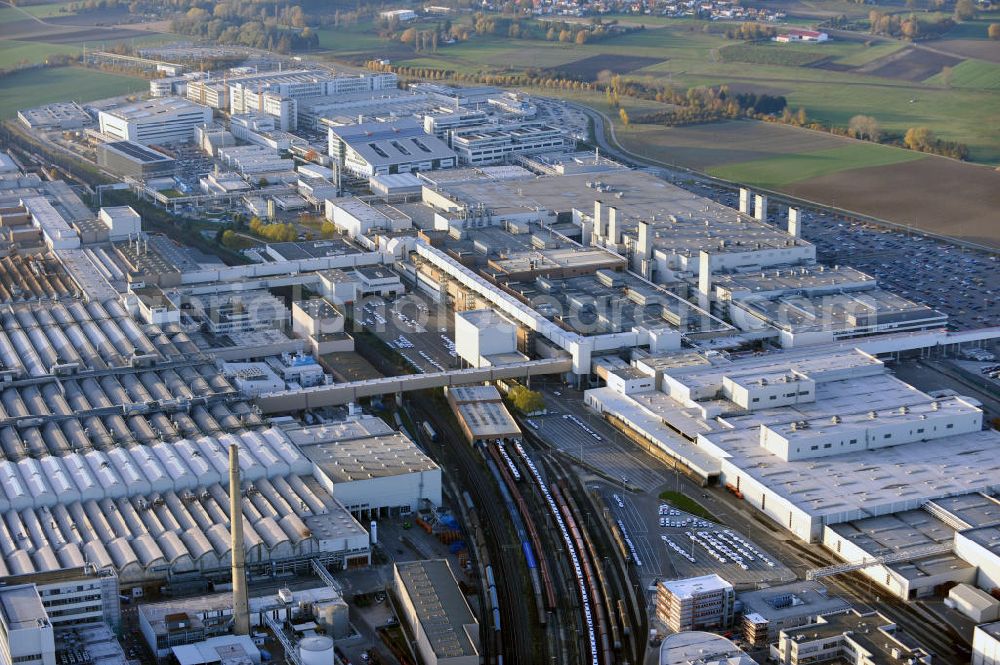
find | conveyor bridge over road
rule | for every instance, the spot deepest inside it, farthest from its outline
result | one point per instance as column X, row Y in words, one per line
column 344, row 393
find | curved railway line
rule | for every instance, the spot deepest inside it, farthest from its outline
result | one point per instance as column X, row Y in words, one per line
column 547, row 562
column 515, row 643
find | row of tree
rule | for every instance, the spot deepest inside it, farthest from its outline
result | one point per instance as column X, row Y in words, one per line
column 750, row 31
column 531, row 78
column 264, row 34
column 276, row 232
column 498, row 26
column 922, row 139
column 910, row 27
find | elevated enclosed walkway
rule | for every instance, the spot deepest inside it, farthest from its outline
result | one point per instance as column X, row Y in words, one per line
column 344, row 393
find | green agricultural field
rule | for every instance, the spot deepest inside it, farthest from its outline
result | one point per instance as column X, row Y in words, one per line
column 14, row 53
column 974, row 74
column 772, row 53
column 864, row 54
column 776, row 172
column 835, row 97
column 822, row 78
column 46, row 10
column 44, row 86
column 350, row 40
column 975, row 29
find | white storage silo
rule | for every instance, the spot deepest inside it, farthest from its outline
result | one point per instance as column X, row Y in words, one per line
column 316, row 650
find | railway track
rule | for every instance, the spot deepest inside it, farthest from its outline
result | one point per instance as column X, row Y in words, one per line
column 626, row 619
column 515, row 643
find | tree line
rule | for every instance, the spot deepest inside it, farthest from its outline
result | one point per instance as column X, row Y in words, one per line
column 224, row 27
column 910, row 27
column 695, row 105
column 750, row 31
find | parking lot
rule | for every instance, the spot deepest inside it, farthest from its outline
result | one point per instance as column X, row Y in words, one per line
column 670, row 543
column 561, row 115
column 584, row 436
column 421, row 336
column 962, row 283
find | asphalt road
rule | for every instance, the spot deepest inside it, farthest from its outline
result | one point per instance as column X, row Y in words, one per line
column 938, row 374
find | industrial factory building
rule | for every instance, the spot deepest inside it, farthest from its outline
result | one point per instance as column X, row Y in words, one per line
column 131, row 159
column 76, row 596
column 950, row 540
column 163, row 509
column 986, row 644
column 60, row 115
column 766, row 612
column 370, row 468
column 482, row 415
column 481, row 334
column 114, row 469
column 437, row 612
column 807, row 438
column 277, row 93
column 205, row 621
column 695, row 603
column 156, row 121
column 345, row 108
column 695, row 647
column 25, row 632
column 851, row 637
column 378, row 148
column 499, row 144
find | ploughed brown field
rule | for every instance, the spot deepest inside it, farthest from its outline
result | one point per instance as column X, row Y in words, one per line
column 910, row 64
column 983, row 49
column 935, row 194
column 588, row 69
column 713, row 144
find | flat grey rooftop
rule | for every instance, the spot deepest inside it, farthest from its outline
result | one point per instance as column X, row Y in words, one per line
column 368, row 458
column 22, row 607
column 488, row 419
column 810, row 598
column 815, row 277
column 976, row 510
column 685, row 223
column 806, row 313
column 441, row 609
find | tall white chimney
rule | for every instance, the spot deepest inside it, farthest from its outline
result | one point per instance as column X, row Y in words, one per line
column 794, row 222
column 704, row 279
column 241, row 604
column 760, row 210
column 613, row 225
column 598, row 220
column 374, row 532
column 744, row 200
column 644, row 248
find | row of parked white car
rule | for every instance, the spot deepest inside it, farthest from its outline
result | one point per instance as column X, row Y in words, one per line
column 678, row 549
column 675, row 518
column 574, row 419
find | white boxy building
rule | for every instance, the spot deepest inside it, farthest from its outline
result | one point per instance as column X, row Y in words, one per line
column 483, row 332
column 159, row 121
column 121, row 221
column 370, row 468
column 696, row 603
column 25, row 632
column 437, row 612
column 378, row 148
column 857, row 443
column 986, row 644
